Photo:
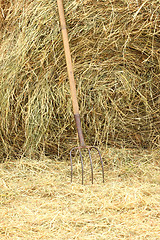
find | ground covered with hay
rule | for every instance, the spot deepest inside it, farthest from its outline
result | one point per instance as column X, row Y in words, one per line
column 116, row 56
column 37, row 200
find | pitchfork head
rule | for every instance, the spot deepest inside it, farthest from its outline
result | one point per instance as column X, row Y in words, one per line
column 89, row 148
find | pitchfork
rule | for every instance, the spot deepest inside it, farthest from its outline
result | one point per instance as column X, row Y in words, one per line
column 74, row 99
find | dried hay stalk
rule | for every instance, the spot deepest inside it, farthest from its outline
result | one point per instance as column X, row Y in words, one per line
column 115, row 48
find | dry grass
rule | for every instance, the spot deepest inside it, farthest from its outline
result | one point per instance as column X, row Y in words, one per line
column 37, row 200
column 116, row 55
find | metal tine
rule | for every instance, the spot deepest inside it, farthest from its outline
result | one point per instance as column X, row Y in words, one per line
column 71, row 164
column 81, row 158
column 91, row 163
column 81, row 163
column 93, row 147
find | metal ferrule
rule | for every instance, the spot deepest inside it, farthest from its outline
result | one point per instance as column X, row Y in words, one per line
column 79, row 129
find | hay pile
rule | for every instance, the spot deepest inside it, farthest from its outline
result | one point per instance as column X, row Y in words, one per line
column 115, row 47
column 37, row 200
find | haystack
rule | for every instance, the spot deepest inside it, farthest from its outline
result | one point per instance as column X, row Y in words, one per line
column 115, row 47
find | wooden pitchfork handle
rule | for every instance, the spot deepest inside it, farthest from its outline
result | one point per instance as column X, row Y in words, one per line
column 70, row 72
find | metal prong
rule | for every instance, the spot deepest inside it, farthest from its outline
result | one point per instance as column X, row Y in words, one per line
column 91, row 164
column 81, row 164
column 76, row 148
column 100, row 160
column 71, row 164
